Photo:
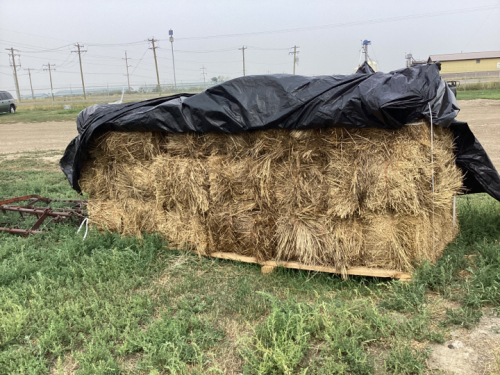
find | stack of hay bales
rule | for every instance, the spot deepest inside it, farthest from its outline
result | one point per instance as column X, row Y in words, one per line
column 332, row 197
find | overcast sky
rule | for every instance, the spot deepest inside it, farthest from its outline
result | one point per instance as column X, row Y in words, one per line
column 209, row 33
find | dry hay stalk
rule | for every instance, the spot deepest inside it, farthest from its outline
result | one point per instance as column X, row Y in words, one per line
column 186, row 230
column 105, row 214
column 335, row 197
column 236, row 223
column 127, row 146
column 98, row 178
column 319, row 240
column 396, row 242
column 180, row 183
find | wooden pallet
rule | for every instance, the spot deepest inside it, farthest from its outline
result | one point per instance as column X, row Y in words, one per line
column 269, row 266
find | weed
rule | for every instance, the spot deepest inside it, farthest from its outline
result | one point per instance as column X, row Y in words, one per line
column 109, row 298
column 465, row 316
column 405, row 296
column 403, row 360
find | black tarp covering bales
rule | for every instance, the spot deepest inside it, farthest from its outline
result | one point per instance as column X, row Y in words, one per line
column 364, row 99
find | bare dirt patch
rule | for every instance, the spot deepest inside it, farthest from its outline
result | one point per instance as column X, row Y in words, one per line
column 36, row 136
column 469, row 352
column 483, row 117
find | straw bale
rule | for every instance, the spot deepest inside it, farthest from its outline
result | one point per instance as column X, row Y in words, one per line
column 185, row 145
column 396, row 241
column 322, row 240
column 233, row 146
column 105, row 214
column 180, row 183
column 134, row 181
column 124, row 146
column 140, row 217
column 343, row 199
column 301, row 184
column 98, row 178
column 186, row 230
column 236, row 223
column 128, row 217
column 334, row 197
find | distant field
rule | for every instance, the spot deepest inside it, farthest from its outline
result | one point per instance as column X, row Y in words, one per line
column 43, row 110
column 478, row 94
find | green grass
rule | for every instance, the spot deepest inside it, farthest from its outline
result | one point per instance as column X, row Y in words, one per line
column 41, row 115
column 114, row 305
column 43, row 110
column 478, row 94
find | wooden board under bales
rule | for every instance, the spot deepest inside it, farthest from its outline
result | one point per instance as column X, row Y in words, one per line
column 270, row 265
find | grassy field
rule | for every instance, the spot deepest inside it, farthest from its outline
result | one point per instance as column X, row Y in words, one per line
column 43, row 112
column 478, row 94
column 113, row 305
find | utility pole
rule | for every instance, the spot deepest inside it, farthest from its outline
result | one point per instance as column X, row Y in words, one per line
column 153, row 40
column 204, row 74
column 50, row 68
column 171, row 33
column 31, row 84
column 81, row 70
column 127, row 65
column 243, row 48
column 13, row 55
column 364, row 47
column 294, row 53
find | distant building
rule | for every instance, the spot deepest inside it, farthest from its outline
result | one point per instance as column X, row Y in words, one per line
column 478, row 65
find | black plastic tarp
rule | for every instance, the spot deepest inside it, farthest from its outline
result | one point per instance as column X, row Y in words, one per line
column 364, row 99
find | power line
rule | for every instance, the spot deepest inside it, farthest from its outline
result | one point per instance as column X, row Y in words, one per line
column 114, row 44
column 267, row 49
column 38, row 49
column 139, row 61
column 209, row 51
column 353, row 23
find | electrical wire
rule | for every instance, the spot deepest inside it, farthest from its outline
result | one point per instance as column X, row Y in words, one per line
column 352, row 23
column 139, row 61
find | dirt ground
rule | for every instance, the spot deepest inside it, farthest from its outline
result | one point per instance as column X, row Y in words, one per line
column 482, row 115
column 469, row 352
column 36, row 136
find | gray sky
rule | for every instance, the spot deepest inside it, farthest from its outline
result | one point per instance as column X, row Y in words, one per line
column 329, row 34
